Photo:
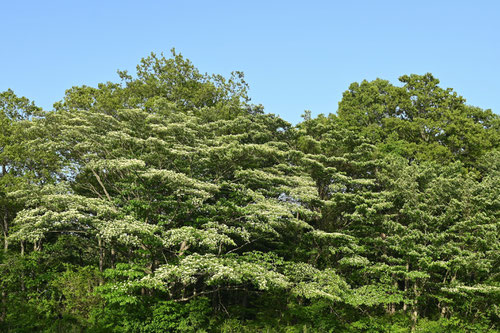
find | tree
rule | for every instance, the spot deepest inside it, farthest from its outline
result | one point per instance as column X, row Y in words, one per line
column 420, row 119
column 175, row 80
column 168, row 202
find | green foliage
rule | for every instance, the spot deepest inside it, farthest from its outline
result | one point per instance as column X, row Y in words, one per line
column 168, row 203
column 419, row 120
column 169, row 316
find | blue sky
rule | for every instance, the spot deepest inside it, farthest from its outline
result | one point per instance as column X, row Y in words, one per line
column 295, row 55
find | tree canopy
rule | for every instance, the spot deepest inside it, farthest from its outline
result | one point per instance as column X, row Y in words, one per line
column 168, row 202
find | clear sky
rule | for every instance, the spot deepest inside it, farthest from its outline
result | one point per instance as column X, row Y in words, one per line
column 296, row 55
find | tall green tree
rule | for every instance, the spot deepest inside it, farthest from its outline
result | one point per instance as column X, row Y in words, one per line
column 167, row 202
column 420, row 119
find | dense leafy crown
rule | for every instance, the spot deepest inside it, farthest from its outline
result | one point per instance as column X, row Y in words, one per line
column 168, row 202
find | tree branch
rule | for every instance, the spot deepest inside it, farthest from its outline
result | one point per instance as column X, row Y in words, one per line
column 101, row 183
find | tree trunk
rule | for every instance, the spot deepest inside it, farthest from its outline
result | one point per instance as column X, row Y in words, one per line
column 443, row 310
column 4, row 306
column 113, row 257
column 22, row 272
column 101, row 253
column 5, row 229
column 392, row 306
column 405, row 307
column 414, row 314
